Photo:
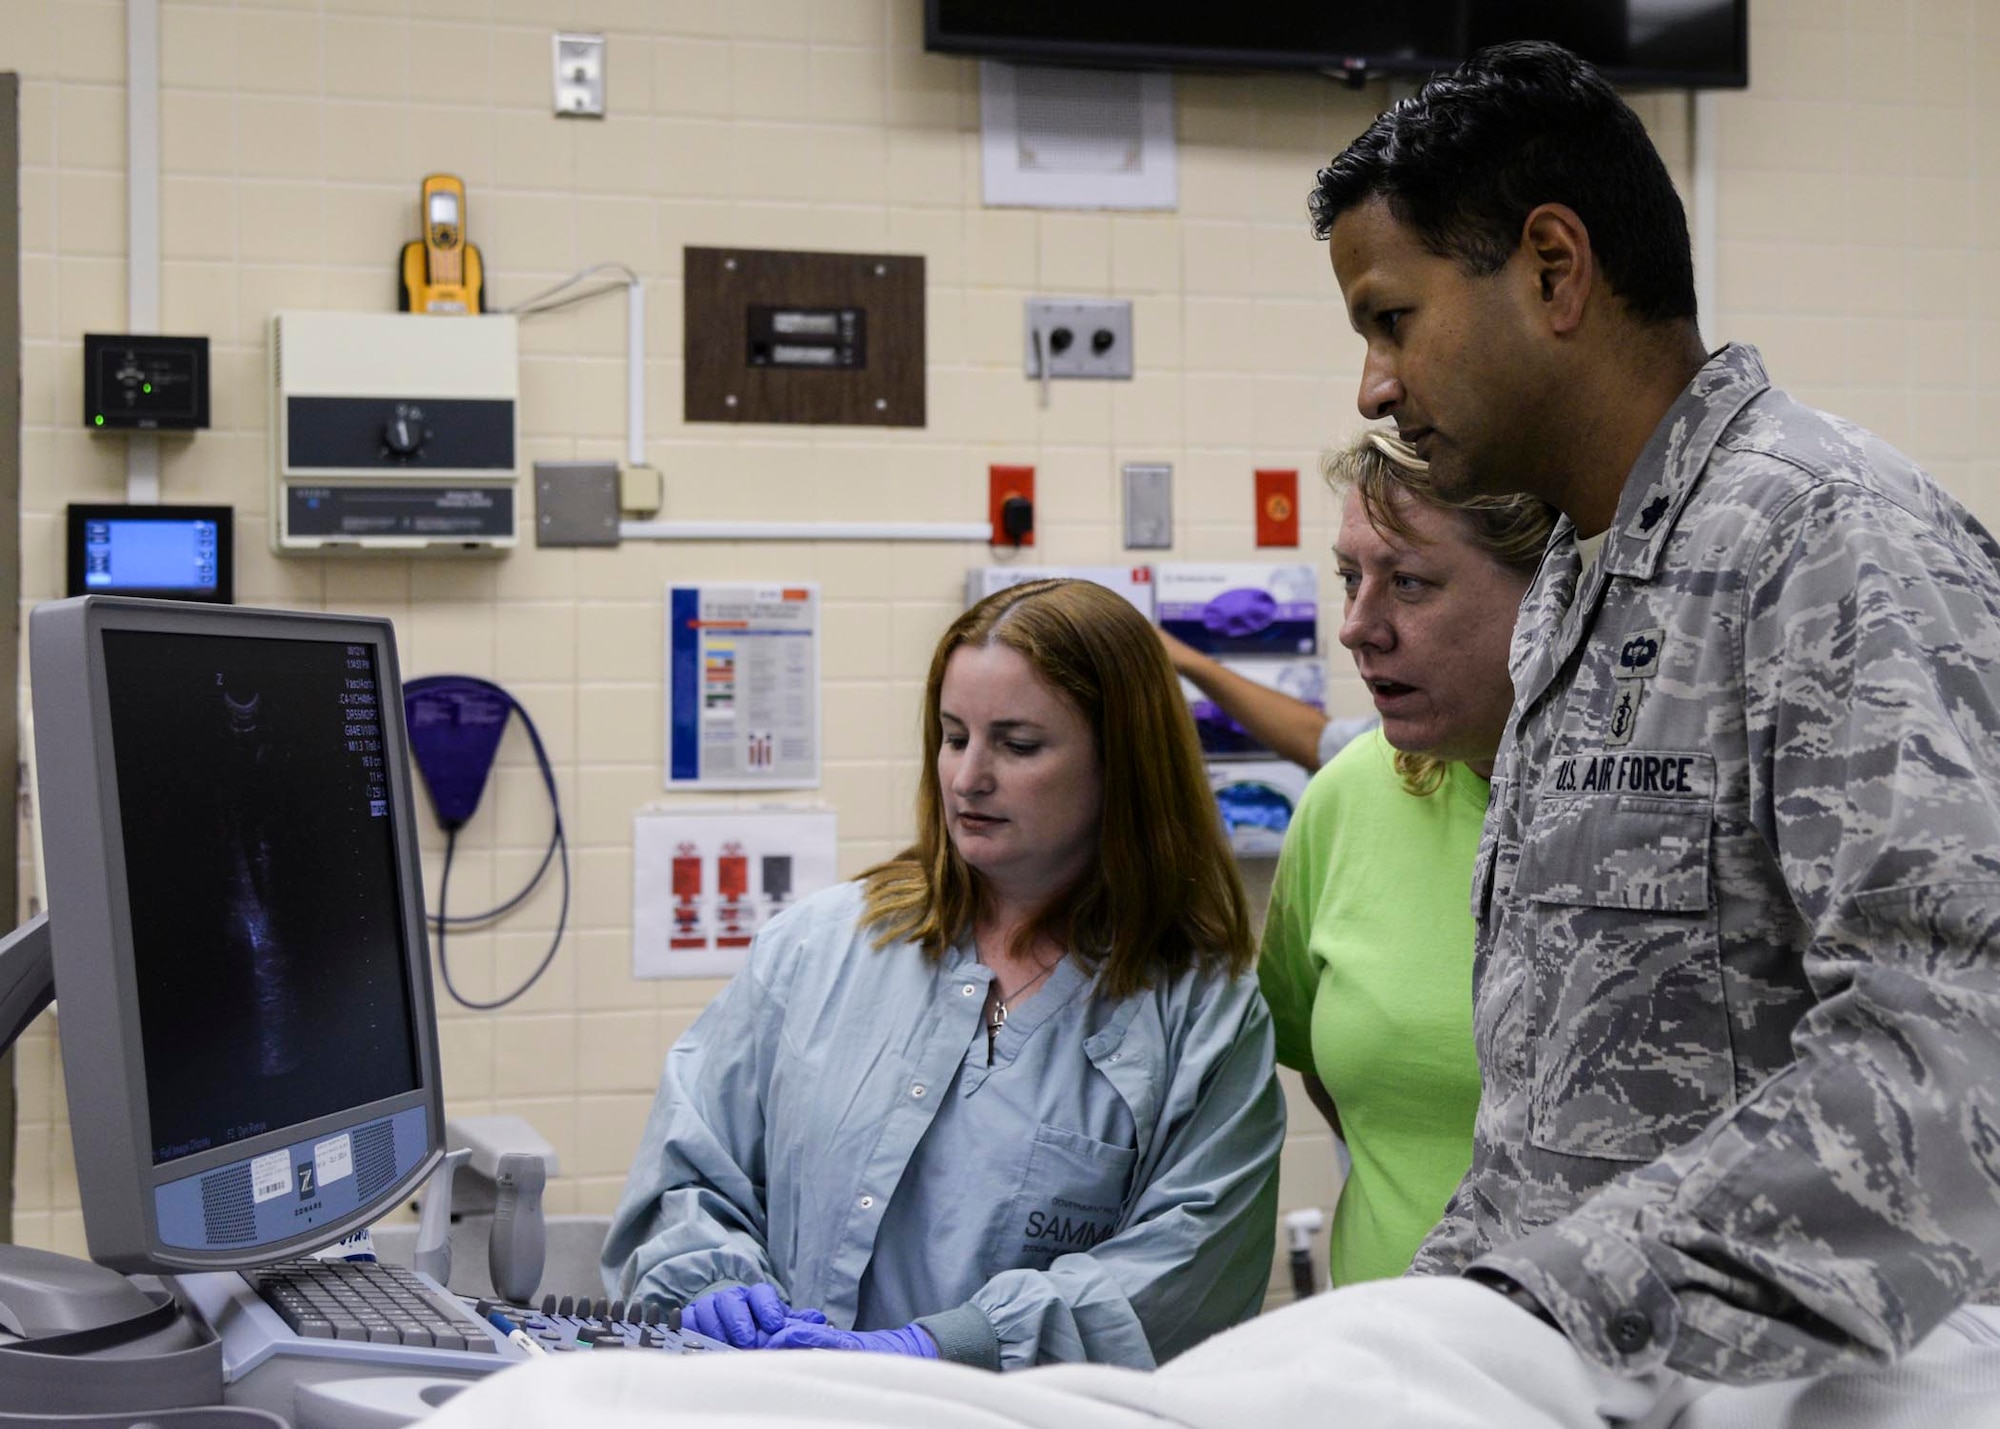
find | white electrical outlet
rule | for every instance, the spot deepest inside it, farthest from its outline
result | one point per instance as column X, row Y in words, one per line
column 580, row 75
column 1078, row 337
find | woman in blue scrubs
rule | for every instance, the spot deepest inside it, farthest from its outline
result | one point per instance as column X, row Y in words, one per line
column 1008, row 1098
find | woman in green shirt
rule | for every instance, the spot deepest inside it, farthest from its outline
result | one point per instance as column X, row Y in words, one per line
column 1367, row 952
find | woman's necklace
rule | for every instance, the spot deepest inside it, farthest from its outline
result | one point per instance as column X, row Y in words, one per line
column 996, row 1016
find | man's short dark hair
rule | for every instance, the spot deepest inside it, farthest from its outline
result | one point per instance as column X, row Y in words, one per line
column 1468, row 157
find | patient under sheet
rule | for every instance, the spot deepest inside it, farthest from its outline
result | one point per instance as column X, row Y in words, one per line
column 1412, row 1354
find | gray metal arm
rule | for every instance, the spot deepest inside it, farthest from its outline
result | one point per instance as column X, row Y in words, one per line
column 27, row 977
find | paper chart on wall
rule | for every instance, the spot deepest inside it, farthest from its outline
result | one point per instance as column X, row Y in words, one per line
column 705, row 880
column 743, row 700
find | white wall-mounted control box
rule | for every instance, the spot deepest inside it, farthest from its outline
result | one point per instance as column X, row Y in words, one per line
column 394, row 431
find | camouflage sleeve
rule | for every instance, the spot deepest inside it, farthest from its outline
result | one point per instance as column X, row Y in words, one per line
column 1455, row 1239
column 1843, row 1207
column 1459, row 1237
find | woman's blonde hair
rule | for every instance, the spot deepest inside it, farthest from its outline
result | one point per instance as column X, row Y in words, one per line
column 1162, row 894
column 1511, row 531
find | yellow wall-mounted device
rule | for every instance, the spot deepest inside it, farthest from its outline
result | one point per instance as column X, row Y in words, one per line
column 441, row 271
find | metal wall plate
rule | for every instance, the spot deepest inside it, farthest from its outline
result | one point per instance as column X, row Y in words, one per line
column 1149, row 506
column 576, row 503
column 1078, row 337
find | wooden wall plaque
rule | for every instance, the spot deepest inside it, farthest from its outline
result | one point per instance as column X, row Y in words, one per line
column 830, row 338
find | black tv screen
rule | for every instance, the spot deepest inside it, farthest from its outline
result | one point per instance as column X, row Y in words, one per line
column 1680, row 43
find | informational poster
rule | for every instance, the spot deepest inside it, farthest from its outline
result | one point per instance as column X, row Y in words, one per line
column 743, row 706
column 705, row 880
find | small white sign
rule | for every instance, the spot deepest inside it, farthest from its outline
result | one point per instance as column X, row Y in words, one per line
column 334, row 1158
column 704, row 882
column 270, row 1176
column 1055, row 136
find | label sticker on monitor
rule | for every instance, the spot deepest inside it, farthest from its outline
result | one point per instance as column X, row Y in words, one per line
column 334, row 1158
column 270, row 1175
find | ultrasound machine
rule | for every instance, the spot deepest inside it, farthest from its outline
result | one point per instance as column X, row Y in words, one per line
column 236, row 936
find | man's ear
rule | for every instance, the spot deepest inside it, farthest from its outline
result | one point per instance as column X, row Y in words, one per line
column 1556, row 246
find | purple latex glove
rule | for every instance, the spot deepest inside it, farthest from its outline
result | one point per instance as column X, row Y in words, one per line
column 908, row 1340
column 745, row 1316
column 1240, row 612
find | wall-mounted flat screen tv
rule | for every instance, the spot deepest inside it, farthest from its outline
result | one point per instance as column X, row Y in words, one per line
column 1637, row 43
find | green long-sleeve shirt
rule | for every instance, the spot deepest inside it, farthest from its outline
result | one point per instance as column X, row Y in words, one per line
column 1367, row 967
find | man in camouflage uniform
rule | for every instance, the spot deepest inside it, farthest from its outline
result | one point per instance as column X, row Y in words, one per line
column 1738, row 976
column 1737, row 1163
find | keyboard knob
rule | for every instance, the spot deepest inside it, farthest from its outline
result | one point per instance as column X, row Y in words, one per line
column 549, row 1303
column 565, row 1306
column 617, row 1309
column 603, row 1308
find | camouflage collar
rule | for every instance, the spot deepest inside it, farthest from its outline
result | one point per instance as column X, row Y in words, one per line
column 1661, row 480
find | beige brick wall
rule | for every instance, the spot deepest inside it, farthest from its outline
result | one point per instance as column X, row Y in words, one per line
column 1857, row 238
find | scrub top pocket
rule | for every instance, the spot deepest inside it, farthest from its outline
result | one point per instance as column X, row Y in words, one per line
column 1072, row 1197
column 1630, row 1033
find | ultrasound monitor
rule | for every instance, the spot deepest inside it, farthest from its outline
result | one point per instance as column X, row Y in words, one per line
column 237, row 924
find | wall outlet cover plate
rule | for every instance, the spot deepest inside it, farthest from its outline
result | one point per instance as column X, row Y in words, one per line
column 1149, row 506
column 579, row 61
column 576, row 503
column 1080, row 337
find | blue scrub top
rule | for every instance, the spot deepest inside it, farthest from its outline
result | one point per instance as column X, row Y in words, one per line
column 1105, row 1191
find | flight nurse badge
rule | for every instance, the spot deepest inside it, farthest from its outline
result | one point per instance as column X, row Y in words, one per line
column 1624, row 711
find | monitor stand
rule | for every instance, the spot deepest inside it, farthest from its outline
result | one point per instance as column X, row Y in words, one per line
column 27, row 977
column 27, row 986
column 152, row 1355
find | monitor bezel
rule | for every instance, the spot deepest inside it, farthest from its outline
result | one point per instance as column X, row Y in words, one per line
column 1351, row 67
column 90, row 916
column 82, row 514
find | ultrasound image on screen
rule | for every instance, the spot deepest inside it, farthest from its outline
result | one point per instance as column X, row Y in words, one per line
column 266, row 914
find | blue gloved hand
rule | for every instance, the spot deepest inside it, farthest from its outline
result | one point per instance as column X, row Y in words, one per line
column 745, row 1316
column 908, row 1340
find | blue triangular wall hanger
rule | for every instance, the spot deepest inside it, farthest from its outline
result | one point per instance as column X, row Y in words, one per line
column 455, row 724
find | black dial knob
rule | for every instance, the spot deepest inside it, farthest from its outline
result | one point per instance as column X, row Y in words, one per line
column 403, row 436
